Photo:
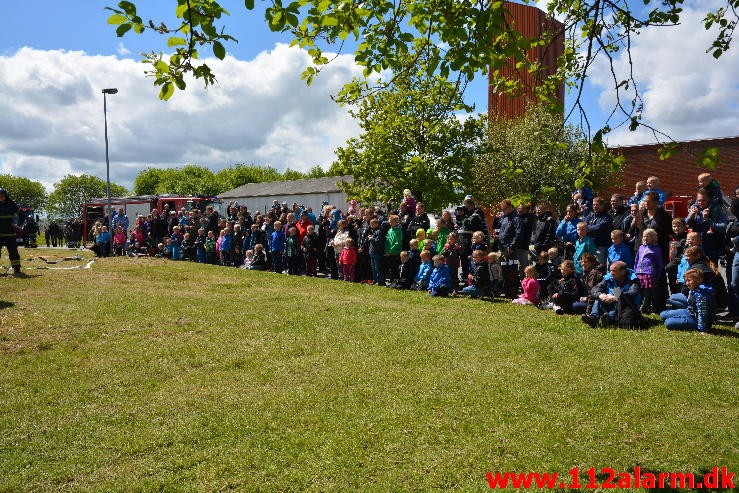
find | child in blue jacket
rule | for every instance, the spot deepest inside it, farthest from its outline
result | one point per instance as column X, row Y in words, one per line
column 440, row 282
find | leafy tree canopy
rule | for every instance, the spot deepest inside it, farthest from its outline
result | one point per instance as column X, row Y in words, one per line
column 538, row 158
column 458, row 39
column 197, row 180
column 412, row 139
column 24, row 191
column 72, row 191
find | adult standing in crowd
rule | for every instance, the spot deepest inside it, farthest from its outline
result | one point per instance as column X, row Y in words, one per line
column 620, row 213
column 8, row 209
column 710, row 221
column 733, row 234
column 521, row 250
column 470, row 218
column 511, row 230
column 600, row 225
column 420, row 221
column 544, row 234
column 567, row 230
column 651, row 215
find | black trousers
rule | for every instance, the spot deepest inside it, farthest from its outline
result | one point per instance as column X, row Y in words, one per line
column 8, row 240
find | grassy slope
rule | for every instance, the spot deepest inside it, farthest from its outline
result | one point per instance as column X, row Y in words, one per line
column 148, row 374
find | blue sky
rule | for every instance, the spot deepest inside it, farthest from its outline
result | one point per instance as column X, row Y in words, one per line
column 56, row 56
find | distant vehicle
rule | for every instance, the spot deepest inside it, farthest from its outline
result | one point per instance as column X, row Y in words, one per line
column 140, row 204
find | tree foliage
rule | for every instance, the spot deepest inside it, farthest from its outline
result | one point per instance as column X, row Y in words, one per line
column 538, row 158
column 241, row 174
column 411, row 139
column 197, row 180
column 72, row 191
column 24, row 191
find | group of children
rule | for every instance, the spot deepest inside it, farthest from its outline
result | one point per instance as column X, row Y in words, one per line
column 573, row 276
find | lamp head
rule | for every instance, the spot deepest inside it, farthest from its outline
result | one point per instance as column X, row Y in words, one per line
column 112, row 90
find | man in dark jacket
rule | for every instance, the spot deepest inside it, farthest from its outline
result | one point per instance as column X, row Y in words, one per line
column 543, row 237
column 419, row 221
column 620, row 282
column 620, row 213
column 511, row 229
column 600, row 225
column 8, row 209
column 469, row 219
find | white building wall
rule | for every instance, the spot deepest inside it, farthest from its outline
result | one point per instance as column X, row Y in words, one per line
column 313, row 200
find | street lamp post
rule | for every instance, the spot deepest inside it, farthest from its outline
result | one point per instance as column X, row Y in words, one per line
column 111, row 90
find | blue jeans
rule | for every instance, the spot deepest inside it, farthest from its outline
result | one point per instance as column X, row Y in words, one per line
column 376, row 266
column 472, row 291
column 600, row 308
column 176, row 252
column 734, row 299
column 679, row 300
column 678, row 320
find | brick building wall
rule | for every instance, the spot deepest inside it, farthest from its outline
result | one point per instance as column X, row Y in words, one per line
column 679, row 174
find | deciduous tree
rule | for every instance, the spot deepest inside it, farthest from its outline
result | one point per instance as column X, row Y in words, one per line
column 72, row 191
column 411, row 138
column 24, row 191
column 538, row 157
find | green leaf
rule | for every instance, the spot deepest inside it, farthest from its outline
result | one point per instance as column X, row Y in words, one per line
column 128, row 7
column 175, row 41
column 166, row 92
column 218, row 50
column 249, row 4
column 138, row 28
column 116, row 19
column 122, row 29
column 161, row 66
column 180, row 11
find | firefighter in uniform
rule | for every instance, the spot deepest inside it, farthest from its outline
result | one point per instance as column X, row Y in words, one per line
column 8, row 209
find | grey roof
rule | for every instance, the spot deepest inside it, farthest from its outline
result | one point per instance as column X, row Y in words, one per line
column 294, row 187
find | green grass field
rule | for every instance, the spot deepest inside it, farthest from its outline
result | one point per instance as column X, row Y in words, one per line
column 144, row 374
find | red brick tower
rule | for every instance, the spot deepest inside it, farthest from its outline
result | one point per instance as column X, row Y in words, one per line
column 531, row 22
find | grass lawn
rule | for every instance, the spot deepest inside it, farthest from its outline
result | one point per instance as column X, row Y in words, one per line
column 145, row 374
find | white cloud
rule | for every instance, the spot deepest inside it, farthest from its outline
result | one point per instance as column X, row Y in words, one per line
column 687, row 93
column 122, row 50
column 260, row 111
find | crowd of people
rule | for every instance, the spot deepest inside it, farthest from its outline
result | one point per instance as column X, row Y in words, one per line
column 610, row 261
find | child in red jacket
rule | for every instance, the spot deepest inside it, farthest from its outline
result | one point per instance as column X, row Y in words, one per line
column 348, row 260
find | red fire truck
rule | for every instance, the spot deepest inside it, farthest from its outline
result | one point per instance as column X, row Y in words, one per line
column 141, row 204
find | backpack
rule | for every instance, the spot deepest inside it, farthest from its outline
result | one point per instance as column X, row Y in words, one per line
column 628, row 315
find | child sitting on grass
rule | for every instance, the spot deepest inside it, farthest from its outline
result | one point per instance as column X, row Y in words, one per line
column 259, row 261
column 496, row 273
column 440, row 282
column 479, row 276
column 424, row 272
column 701, row 310
column 407, row 273
column 530, row 288
column 565, row 292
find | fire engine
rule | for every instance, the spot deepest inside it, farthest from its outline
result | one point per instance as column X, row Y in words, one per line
column 141, row 204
